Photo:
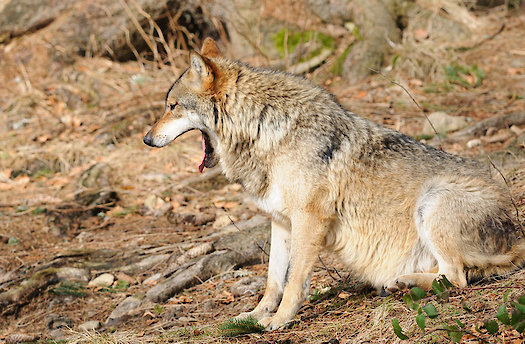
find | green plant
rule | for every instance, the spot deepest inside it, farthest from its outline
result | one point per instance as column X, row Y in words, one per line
column 43, row 172
column 460, row 75
column 286, row 41
column 13, row 241
column 158, row 309
column 127, row 210
column 38, row 210
column 69, row 288
column 324, row 293
column 238, row 327
column 337, row 68
column 425, row 306
column 119, row 287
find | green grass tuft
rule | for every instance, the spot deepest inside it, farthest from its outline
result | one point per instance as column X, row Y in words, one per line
column 70, row 288
column 239, row 327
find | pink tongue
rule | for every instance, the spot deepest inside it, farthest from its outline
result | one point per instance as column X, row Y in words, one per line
column 201, row 165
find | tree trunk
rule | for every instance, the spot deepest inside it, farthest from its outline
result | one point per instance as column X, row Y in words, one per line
column 377, row 27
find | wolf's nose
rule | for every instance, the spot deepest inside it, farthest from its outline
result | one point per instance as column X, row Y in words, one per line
column 148, row 139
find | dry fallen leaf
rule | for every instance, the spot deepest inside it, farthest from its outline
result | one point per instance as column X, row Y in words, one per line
column 59, row 181
column 225, row 297
column 343, row 295
column 515, row 71
column 148, row 314
column 224, row 204
column 361, row 95
column 181, row 299
column 126, row 278
column 43, row 138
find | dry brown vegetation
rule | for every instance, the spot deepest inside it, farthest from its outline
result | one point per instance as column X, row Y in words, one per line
column 71, row 134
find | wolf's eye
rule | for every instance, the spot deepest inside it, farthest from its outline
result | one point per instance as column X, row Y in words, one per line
column 172, row 106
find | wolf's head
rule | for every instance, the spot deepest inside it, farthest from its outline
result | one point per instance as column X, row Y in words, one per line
column 190, row 105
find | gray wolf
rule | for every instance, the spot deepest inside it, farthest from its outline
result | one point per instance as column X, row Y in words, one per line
column 397, row 212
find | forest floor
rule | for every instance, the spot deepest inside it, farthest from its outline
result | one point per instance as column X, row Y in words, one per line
column 94, row 112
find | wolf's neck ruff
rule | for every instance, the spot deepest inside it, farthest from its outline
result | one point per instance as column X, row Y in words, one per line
column 259, row 112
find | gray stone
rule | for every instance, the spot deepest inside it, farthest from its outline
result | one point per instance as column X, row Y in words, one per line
column 72, row 274
column 55, row 321
column 104, row 280
column 474, row 143
column 155, row 206
column 248, row 286
column 58, row 334
column 443, row 123
column 92, row 325
column 126, row 309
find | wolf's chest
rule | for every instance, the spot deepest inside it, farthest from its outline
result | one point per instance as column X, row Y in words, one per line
column 272, row 202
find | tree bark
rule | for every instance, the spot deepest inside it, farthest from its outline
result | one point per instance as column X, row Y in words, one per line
column 378, row 29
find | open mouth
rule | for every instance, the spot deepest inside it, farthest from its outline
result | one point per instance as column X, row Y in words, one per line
column 208, row 157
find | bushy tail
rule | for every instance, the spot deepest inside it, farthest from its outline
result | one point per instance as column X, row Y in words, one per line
column 499, row 264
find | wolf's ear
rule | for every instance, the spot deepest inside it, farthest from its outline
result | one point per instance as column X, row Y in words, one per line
column 210, row 49
column 199, row 66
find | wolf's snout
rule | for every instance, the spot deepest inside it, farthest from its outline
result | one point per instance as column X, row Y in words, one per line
column 148, row 139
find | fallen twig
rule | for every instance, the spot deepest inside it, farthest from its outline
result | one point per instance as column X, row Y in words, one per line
column 484, row 40
column 328, row 270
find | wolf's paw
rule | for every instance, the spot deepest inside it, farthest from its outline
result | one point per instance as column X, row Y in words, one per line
column 397, row 285
column 272, row 323
column 382, row 292
column 253, row 314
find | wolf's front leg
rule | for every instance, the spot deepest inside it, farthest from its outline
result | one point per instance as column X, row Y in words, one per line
column 308, row 232
column 277, row 268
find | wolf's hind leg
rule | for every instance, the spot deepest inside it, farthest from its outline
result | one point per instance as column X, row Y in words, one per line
column 447, row 266
column 440, row 219
column 277, row 270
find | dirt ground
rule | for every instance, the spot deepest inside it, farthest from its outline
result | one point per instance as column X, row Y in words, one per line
column 57, row 125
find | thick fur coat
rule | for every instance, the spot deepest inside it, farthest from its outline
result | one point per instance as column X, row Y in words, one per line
column 397, row 212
